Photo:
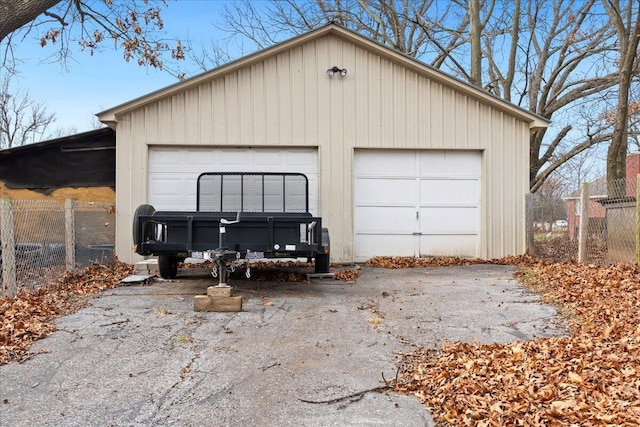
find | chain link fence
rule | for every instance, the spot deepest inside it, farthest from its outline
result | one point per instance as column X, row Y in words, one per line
column 40, row 239
column 598, row 225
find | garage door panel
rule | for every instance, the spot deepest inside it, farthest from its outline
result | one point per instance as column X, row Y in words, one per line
column 305, row 159
column 464, row 246
column 385, row 192
column 268, row 158
column 449, row 191
column 402, row 163
column 450, row 163
column 232, row 159
column 390, row 186
column 384, row 245
column 164, row 159
column 313, row 192
column 375, row 219
column 174, row 192
column 173, row 171
column 200, row 158
column 449, row 220
column 171, row 186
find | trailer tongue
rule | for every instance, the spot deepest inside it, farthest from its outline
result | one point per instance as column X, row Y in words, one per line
column 239, row 216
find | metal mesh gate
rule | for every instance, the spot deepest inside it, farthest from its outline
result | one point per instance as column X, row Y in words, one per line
column 253, row 192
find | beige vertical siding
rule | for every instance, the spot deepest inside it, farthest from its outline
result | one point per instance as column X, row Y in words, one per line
column 287, row 99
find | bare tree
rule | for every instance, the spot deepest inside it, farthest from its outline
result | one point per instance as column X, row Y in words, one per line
column 626, row 21
column 22, row 120
column 554, row 67
column 551, row 57
column 476, row 29
column 391, row 23
column 583, row 167
column 209, row 56
column 60, row 132
column 134, row 26
column 549, row 205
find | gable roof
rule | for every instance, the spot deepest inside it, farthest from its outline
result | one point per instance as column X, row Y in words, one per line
column 535, row 121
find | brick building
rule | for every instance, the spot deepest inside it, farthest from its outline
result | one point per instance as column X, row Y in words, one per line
column 598, row 194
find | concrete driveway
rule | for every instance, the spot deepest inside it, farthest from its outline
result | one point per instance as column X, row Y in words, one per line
column 139, row 355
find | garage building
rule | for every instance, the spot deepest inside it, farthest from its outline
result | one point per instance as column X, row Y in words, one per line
column 402, row 159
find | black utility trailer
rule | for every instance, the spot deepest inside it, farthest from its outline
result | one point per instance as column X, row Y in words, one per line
column 239, row 216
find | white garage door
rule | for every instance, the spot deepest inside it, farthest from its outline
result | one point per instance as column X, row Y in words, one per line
column 417, row 203
column 173, row 171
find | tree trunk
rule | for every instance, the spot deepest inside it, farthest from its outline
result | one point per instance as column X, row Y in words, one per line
column 475, row 31
column 16, row 13
column 628, row 34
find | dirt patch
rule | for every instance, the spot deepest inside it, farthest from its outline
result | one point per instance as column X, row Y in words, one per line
column 87, row 194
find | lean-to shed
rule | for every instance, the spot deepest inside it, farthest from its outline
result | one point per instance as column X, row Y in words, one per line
column 80, row 167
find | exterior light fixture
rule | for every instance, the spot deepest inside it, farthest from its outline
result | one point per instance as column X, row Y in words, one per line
column 333, row 70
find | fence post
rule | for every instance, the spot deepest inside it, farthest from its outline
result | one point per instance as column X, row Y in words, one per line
column 584, row 222
column 70, row 235
column 7, row 243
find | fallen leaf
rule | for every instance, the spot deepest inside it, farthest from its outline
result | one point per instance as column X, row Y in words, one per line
column 588, row 375
column 575, row 378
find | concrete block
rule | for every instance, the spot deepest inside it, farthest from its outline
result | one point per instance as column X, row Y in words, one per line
column 219, row 291
column 227, row 303
column 148, row 266
column 217, row 304
column 202, row 303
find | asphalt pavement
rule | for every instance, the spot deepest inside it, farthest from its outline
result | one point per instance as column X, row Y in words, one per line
column 140, row 356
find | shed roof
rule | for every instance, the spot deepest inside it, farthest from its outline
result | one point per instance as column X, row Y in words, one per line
column 535, row 121
column 97, row 137
column 82, row 160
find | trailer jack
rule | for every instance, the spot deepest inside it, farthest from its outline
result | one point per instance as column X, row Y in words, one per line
column 226, row 262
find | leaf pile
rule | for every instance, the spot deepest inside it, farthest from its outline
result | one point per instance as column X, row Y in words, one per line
column 347, row 275
column 280, row 271
column 591, row 377
column 30, row 316
column 557, row 249
column 410, row 262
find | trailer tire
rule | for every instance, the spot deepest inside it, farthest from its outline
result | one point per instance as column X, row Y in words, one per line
column 168, row 266
column 142, row 210
column 323, row 263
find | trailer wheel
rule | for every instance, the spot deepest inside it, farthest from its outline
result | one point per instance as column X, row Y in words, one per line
column 168, row 266
column 142, row 210
column 323, row 263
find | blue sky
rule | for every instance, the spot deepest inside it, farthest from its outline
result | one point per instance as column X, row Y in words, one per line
column 91, row 84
